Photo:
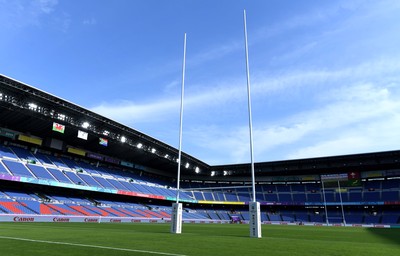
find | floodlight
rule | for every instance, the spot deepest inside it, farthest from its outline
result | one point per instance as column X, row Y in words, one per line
column 105, row 132
column 212, row 173
column 225, row 173
column 123, row 139
column 85, row 125
column 187, row 165
column 139, row 145
column 32, row 106
column 61, row 117
column 166, row 156
column 153, row 150
column 197, row 170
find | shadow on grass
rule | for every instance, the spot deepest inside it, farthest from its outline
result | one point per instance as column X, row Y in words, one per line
column 392, row 235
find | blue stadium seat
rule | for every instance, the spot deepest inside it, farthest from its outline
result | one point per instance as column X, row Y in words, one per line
column 43, row 159
column 40, row 172
column 89, row 180
column 18, row 195
column 56, row 161
column 23, row 153
column 260, row 197
column 271, row 197
column 213, row 215
column 299, row 197
column 343, row 195
column 391, row 184
column 390, row 196
column 302, row 217
column 372, row 219
column 285, row 197
column 283, row 188
column 208, row 196
column 3, row 170
column 6, row 152
column 244, row 197
column 314, row 197
column 219, row 196
column 74, row 178
column 355, row 196
column 198, row 195
column 274, row 217
column 59, row 175
column 330, row 196
column 354, row 218
column 390, row 218
column 370, row 185
column 117, row 184
column 103, row 182
column 223, row 215
column 298, row 188
column 32, row 206
column 372, row 196
column 318, row 218
column 269, row 189
column 17, row 168
column 245, row 215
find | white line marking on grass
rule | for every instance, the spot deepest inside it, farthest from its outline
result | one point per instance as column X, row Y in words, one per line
column 90, row 246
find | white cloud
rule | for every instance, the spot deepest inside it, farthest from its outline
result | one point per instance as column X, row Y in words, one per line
column 63, row 22
column 130, row 112
column 384, row 72
column 351, row 114
column 45, row 6
column 172, row 87
column 215, row 53
column 17, row 13
column 380, row 69
column 347, row 12
column 350, row 143
column 161, row 109
column 355, row 118
column 375, row 134
column 89, row 21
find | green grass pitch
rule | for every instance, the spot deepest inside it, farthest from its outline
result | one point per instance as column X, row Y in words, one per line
column 196, row 239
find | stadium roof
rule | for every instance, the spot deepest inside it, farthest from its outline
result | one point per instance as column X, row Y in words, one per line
column 32, row 111
column 333, row 164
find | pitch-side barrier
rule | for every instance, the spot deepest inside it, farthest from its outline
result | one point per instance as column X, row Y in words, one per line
column 98, row 219
column 95, row 219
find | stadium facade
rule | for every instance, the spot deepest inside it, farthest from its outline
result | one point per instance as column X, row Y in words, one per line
column 61, row 162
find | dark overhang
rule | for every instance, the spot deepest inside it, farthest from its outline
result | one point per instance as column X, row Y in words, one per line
column 333, row 164
column 32, row 111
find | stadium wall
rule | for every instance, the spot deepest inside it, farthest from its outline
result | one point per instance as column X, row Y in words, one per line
column 96, row 219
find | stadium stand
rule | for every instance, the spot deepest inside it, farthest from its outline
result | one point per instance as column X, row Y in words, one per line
column 40, row 172
column 45, row 171
column 6, row 152
column 17, row 168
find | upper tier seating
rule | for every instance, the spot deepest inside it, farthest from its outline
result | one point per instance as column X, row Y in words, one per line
column 377, row 191
column 64, row 170
column 6, row 152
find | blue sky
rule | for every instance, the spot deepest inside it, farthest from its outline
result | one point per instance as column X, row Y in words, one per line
column 324, row 74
